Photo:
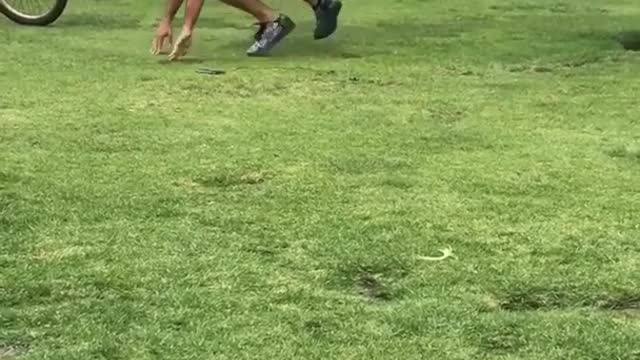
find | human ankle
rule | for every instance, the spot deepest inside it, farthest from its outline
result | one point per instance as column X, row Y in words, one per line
column 187, row 29
column 267, row 16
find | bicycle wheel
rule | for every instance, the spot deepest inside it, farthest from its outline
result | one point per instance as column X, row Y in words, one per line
column 33, row 12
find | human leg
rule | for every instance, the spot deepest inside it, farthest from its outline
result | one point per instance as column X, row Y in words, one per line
column 192, row 12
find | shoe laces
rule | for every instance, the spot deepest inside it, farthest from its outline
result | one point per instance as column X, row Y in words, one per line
column 262, row 27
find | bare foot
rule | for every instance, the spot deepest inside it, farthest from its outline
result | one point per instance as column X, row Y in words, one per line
column 162, row 37
column 181, row 46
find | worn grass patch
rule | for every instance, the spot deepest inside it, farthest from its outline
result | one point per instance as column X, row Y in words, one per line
column 231, row 179
column 546, row 299
column 628, row 152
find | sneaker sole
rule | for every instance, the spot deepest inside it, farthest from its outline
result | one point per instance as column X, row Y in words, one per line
column 335, row 11
column 266, row 51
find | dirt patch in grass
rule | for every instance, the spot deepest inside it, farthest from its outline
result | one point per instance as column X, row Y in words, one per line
column 541, row 299
column 232, row 179
column 531, row 69
column 371, row 287
column 379, row 282
column 626, row 302
column 629, row 40
column 12, row 352
column 625, row 152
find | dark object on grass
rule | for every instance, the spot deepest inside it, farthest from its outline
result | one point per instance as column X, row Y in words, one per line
column 629, row 40
column 206, row 71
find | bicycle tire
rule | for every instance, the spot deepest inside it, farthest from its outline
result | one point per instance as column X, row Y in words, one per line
column 41, row 20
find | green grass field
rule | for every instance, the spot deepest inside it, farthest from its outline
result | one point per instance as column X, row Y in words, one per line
column 280, row 211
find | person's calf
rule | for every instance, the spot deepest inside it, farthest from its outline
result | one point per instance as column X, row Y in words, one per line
column 256, row 8
column 192, row 12
column 181, row 46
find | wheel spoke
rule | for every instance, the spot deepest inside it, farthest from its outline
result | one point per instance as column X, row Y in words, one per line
column 29, row 8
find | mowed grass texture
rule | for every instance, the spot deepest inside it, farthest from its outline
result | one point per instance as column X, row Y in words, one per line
column 281, row 210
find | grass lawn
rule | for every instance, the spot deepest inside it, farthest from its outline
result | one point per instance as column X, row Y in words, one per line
column 280, row 211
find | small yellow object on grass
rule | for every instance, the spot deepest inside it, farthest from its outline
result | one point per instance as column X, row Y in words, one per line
column 446, row 253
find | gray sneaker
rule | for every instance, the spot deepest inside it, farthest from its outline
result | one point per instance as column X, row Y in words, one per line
column 270, row 35
column 327, row 12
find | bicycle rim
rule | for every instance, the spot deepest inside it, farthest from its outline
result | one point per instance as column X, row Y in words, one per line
column 29, row 9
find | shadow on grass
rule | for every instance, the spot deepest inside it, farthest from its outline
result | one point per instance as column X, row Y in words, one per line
column 357, row 41
column 481, row 38
column 186, row 60
column 541, row 299
column 115, row 21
